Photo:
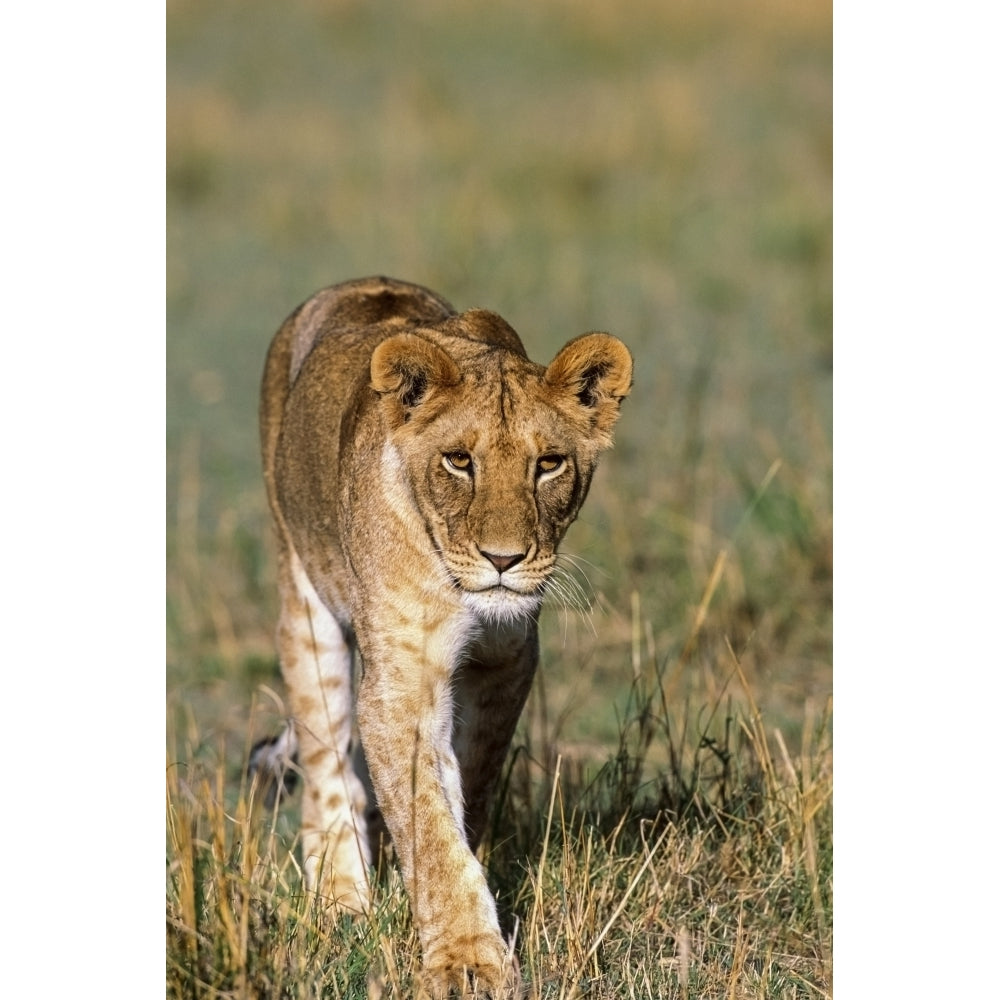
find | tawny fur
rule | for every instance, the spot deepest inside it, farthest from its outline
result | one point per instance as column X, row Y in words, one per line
column 421, row 472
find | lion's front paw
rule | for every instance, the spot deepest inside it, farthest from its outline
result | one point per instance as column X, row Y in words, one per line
column 482, row 967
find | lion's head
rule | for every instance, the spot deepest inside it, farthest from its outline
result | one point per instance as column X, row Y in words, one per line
column 498, row 451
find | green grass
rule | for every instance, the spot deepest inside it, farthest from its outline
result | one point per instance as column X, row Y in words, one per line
column 658, row 170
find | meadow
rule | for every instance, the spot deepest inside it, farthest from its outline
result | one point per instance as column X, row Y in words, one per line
column 658, row 170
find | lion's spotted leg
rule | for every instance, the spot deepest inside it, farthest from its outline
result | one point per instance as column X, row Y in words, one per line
column 405, row 714
column 316, row 664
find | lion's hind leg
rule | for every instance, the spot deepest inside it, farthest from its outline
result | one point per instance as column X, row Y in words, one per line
column 273, row 767
column 316, row 665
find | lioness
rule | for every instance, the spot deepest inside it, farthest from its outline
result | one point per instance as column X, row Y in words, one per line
column 421, row 472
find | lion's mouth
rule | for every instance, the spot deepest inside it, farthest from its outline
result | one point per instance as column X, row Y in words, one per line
column 504, row 587
column 500, row 587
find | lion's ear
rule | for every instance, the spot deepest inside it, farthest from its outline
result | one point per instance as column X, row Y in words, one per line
column 406, row 369
column 596, row 371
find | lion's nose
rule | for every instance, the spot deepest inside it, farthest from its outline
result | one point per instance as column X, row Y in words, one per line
column 503, row 562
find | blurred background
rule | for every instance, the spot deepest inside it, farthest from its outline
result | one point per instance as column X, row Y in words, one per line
column 660, row 169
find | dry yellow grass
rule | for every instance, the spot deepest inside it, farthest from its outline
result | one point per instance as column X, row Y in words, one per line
column 711, row 879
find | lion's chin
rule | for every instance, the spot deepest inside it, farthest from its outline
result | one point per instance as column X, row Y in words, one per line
column 501, row 605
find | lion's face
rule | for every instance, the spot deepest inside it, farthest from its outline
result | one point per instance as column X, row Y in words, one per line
column 499, row 454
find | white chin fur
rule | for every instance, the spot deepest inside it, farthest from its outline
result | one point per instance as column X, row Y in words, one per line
column 500, row 605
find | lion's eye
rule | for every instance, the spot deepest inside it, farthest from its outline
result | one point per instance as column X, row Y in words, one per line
column 458, row 461
column 548, row 465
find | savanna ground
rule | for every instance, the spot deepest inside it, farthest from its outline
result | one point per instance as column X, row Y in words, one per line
column 658, row 170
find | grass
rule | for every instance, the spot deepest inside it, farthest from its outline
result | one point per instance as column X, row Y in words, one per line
column 710, row 876
column 661, row 171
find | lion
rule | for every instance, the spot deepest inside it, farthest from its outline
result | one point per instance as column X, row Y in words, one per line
column 421, row 473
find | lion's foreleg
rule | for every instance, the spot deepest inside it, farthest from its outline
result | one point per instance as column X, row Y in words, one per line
column 405, row 716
